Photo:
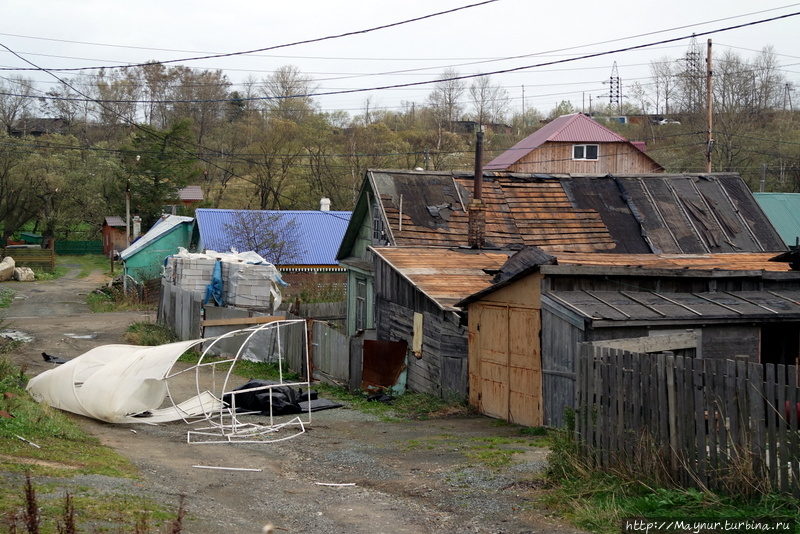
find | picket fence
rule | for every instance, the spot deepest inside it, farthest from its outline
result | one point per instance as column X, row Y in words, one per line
column 727, row 425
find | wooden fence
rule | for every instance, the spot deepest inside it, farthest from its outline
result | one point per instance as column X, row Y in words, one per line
column 43, row 258
column 721, row 424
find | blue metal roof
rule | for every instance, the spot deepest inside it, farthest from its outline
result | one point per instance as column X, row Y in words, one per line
column 783, row 211
column 318, row 233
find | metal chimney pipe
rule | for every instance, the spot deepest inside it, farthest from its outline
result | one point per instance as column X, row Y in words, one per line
column 478, row 192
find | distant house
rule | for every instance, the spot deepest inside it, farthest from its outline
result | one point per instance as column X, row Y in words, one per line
column 575, row 144
column 306, row 242
column 144, row 259
column 525, row 329
column 36, row 127
column 783, row 210
column 190, row 194
column 634, row 214
column 114, row 235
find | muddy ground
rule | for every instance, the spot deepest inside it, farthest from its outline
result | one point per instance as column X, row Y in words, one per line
column 348, row 473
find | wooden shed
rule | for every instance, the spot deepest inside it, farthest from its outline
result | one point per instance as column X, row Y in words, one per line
column 416, row 289
column 703, row 305
column 114, row 235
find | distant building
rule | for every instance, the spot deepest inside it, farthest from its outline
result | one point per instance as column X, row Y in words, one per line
column 573, row 144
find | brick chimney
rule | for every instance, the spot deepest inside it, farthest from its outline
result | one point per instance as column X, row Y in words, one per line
column 476, row 232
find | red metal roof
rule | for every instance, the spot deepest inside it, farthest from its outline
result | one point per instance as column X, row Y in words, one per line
column 575, row 128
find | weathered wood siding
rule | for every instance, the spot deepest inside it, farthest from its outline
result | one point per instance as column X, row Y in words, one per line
column 442, row 368
column 619, row 158
column 561, row 334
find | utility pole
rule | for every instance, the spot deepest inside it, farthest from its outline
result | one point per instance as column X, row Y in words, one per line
column 709, row 109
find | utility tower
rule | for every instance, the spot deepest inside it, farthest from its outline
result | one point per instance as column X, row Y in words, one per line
column 615, row 90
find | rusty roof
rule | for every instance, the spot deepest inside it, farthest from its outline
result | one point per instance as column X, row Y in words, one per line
column 661, row 213
column 575, row 128
column 446, row 276
column 735, row 261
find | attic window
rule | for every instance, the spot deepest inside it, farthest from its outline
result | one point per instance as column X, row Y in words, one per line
column 378, row 234
column 588, row 152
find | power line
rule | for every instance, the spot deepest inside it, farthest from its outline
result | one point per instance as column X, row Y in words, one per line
column 296, row 43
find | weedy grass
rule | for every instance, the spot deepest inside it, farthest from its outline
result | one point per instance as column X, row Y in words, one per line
column 598, row 501
column 114, row 299
column 6, row 297
column 41, row 442
column 149, row 334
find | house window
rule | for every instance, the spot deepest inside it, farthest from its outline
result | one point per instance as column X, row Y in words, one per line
column 361, row 304
column 377, row 226
column 584, row 152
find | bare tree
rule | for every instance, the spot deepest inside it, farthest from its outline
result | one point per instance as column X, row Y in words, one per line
column 273, row 236
column 445, row 101
column 663, row 75
column 288, row 94
column 489, row 101
column 16, row 95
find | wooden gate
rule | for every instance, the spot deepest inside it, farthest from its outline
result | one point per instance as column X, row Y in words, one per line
column 505, row 363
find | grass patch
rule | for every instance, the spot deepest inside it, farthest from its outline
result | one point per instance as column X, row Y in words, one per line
column 493, row 452
column 598, row 501
column 6, row 297
column 149, row 334
column 113, row 299
column 37, row 442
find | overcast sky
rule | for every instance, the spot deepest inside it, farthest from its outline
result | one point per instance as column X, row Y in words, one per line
column 87, row 33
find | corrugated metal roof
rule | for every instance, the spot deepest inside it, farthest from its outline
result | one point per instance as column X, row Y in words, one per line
column 446, row 276
column 113, row 220
column 783, row 210
column 649, row 306
column 161, row 228
column 190, row 193
column 575, row 128
column 318, row 233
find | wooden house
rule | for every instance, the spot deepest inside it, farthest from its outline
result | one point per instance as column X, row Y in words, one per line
column 525, row 329
column 639, row 213
column 575, row 144
column 114, row 235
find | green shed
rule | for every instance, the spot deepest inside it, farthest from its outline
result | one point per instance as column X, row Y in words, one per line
column 144, row 259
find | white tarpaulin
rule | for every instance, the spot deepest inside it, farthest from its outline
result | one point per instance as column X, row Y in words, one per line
column 111, row 383
column 130, row 384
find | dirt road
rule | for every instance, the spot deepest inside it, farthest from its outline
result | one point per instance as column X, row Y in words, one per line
column 349, row 473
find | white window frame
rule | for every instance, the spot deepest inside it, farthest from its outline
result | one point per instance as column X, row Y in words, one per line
column 583, row 152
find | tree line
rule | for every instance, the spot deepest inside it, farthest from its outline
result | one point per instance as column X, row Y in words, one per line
column 144, row 132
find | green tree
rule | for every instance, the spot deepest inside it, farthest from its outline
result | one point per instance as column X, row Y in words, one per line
column 157, row 164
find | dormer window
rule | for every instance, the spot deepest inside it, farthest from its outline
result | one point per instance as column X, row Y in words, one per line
column 585, row 152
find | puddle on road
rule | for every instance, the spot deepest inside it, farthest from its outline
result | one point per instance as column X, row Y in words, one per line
column 81, row 336
column 16, row 335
